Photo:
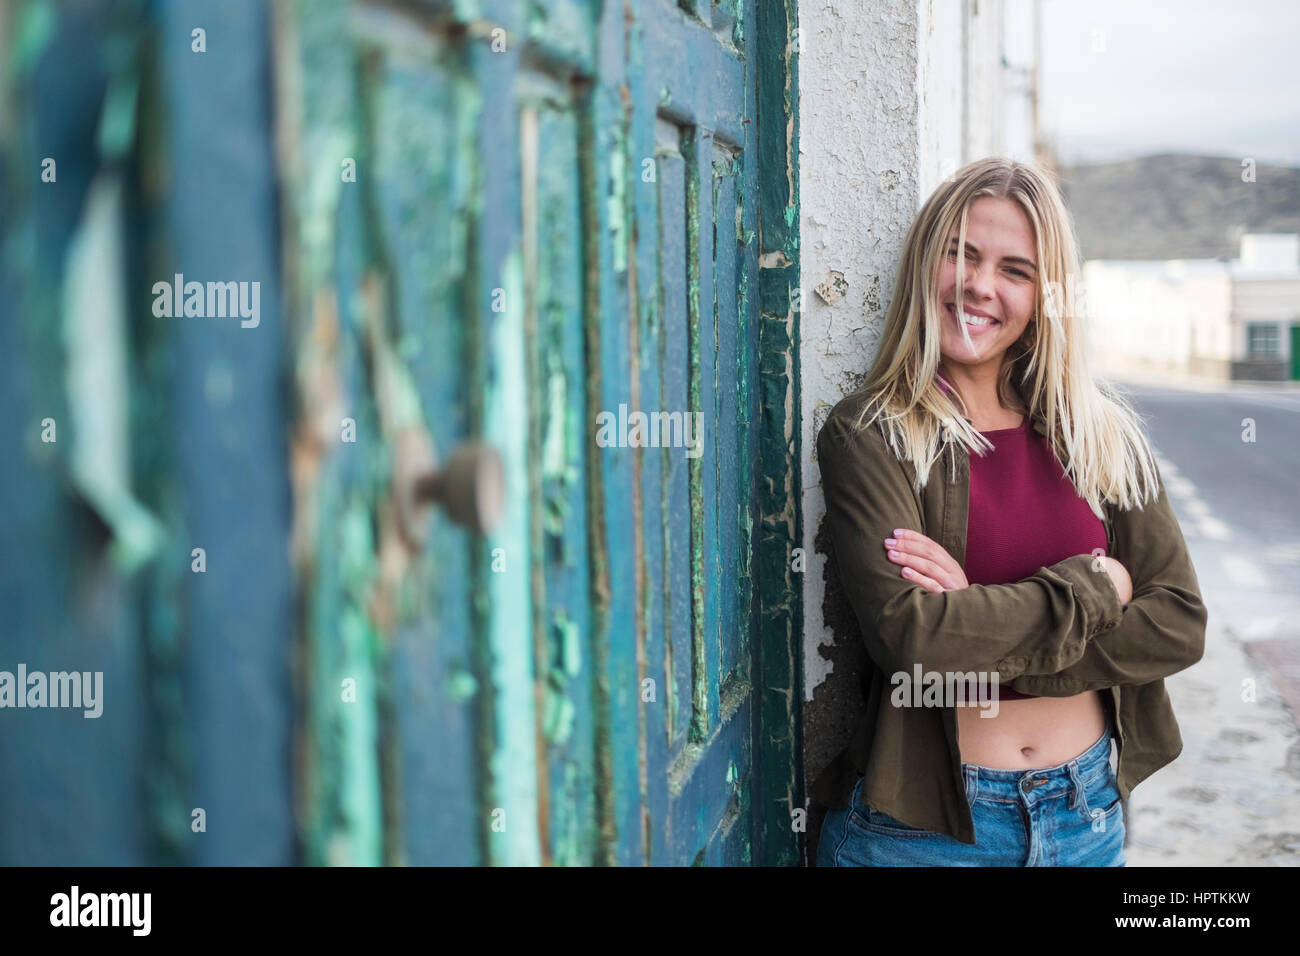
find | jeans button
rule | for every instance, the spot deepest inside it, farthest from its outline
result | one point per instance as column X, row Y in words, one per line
column 1026, row 784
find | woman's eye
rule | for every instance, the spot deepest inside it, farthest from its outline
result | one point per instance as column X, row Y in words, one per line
column 952, row 254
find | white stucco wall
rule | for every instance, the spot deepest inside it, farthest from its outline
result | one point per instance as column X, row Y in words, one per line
column 859, row 167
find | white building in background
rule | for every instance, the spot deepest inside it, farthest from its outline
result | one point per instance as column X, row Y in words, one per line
column 1224, row 319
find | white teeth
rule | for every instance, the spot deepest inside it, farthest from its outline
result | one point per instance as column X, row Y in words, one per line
column 973, row 319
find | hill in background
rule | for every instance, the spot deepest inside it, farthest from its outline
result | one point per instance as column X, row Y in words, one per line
column 1175, row 206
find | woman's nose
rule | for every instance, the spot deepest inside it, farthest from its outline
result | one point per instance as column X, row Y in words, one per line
column 979, row 281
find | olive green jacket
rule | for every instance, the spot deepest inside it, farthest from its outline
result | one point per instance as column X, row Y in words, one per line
column 1059, row 632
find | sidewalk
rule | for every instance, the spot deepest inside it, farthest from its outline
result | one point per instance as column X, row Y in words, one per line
column 1196, row 383
column 1232, row 798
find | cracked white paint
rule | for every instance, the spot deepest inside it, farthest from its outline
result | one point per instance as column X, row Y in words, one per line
column 884, row 115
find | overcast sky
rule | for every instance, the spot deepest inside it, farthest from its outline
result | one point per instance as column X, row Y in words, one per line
column 1202, row 76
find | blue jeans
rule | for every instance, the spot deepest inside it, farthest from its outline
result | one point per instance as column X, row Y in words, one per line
column 1067, row 815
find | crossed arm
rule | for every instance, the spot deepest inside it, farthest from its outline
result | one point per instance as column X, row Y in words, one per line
column 1058, row 632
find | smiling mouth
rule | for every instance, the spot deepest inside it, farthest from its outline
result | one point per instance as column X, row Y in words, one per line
column 973, row 321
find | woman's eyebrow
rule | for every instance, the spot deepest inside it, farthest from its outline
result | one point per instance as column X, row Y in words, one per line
column 1019, row 259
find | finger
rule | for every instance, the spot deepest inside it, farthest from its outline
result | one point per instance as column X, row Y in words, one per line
column 915, row 538
column 926, row 582
column 916, row 568
column 915, row 543
column 942, row 566
column 930, row 569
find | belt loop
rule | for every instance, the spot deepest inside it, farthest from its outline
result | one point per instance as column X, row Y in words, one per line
column 1076, row 782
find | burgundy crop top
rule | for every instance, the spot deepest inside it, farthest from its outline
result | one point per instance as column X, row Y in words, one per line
column 1024, row 514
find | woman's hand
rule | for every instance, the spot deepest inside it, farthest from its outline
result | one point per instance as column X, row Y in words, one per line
column 925, row 562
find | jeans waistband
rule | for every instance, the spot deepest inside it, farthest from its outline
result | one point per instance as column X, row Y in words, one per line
column 1036, row 783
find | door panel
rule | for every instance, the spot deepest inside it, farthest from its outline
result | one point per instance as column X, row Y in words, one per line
column 695, row 287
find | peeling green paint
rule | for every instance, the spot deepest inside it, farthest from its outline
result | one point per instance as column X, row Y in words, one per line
column 558, row 721
column 351, row 830
column 617, row 211
column 513, row 765
column 325, row 84
column 569, row 641
column 555, row 457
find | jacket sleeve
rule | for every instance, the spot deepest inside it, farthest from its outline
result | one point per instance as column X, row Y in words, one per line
column 1040, row 625
column 1161, row 630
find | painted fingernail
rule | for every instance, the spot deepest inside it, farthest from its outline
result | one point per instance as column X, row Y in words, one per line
column 907, row 571
column 890, row 542
column 893, row 554
column 898, row 532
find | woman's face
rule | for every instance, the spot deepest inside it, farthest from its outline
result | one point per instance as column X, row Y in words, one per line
column 1000, row 279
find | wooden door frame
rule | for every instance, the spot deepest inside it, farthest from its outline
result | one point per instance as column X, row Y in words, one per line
column 778, row 749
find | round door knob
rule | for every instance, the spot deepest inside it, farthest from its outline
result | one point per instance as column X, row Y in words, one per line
column 470, row 487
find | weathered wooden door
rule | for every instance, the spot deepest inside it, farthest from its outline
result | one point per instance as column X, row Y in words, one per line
column 552, row 233
column 531, row 225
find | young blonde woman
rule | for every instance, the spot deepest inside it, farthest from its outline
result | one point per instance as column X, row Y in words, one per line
column 1021, row 605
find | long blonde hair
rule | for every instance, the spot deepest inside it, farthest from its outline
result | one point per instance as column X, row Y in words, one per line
column 1097, row 436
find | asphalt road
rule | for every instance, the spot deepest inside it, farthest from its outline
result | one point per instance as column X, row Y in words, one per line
column 1232, row 798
